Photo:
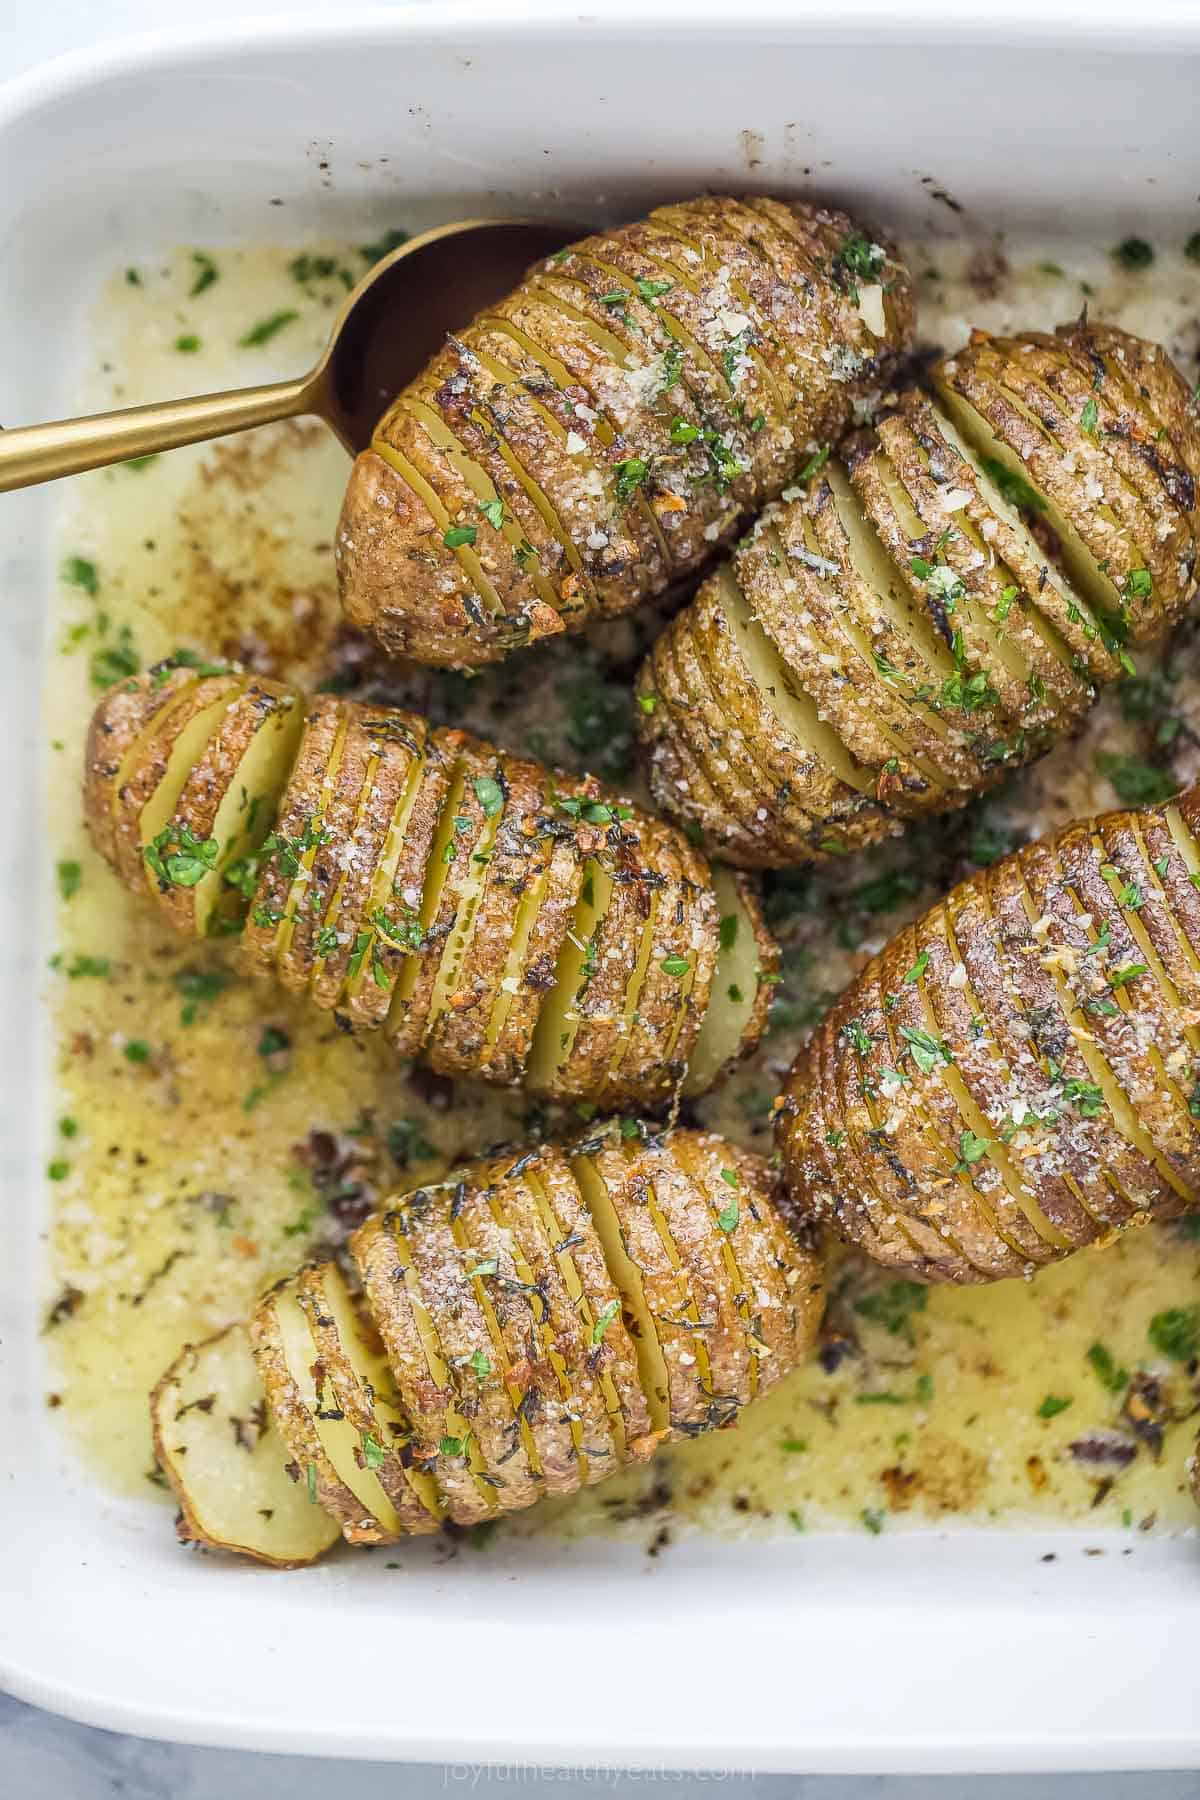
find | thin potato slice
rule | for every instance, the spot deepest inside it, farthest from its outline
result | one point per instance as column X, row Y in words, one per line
column 672, row 1000
column 227, row 1465
column 740, row 999
column 451, row 1281
column 442, row 1438
column 119, row 724
column 494, row 947
column 391, row 761
column 316, row 1435
column 776, row 1266
column 618, row 1187
column 361, row 1382
column 246, row 811
column 562, row 1401
column 606, row 1369
column 158, row 771
column 451, row 894
column 287, row 855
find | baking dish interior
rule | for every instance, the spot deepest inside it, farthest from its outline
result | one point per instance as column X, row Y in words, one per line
column 935, row 1650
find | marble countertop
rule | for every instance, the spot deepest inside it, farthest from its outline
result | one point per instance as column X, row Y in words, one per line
column 43, row 1755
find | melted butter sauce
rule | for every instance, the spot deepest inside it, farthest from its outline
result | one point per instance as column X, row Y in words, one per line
column 207, row 1131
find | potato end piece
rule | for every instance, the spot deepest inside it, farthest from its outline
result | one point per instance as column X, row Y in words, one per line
column 399, row 581
column 226, row 1463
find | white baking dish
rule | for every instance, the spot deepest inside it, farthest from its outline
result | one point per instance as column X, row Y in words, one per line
column 920, row 1652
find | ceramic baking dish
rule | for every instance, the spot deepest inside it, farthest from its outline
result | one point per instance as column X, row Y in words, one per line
column 927, row 1651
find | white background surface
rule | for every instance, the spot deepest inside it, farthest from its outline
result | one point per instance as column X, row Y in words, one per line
column 41, row 1755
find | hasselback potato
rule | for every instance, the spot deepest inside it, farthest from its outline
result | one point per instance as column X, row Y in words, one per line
column 525, row 1327
column 937, row 606
column 493, row 917
column 600, row 432
column 1018, row 1073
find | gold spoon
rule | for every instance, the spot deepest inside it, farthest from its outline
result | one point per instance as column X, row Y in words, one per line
column 387, row 329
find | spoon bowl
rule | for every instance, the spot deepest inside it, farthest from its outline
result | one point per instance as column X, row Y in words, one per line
column 385, row 332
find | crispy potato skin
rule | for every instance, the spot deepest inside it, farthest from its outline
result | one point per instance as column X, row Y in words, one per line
column 1016, row 1074
column 500, row 1310
column 981, row 651
column 543, row 440
column 371, row 893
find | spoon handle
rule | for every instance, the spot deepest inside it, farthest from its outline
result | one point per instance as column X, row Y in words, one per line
column 36, row 453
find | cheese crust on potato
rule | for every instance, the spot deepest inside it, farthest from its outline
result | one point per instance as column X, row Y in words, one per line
column 492, row 917
column 1018, row 1073
column 527, row 1326
column 937, row 606
column 599, row 433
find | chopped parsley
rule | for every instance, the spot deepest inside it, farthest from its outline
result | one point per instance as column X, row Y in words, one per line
column 1052, row 1405
column 630, row 472
column 1104, row 1365
column 493, row 512
column 727, row 931
column 407, row 1143
column 265, row 329
column 383, row 246
column 115, row 662
column 675, row 965
column 1176, row 1333
column 70, row 879
column 206, row 273
column 457, row 535
column 78, row 572
column 187, row 343
column 971, row 1149
column 1085, row 1097
column 894, row 1306
column 1089, row 418
column 1134, row 253
column 814, row 464
column 928, row 1051
column 179, row 858
column 1013, row 487
column 604, row 1319
column 489, row 794
column 198, row 988
column 1134, row 782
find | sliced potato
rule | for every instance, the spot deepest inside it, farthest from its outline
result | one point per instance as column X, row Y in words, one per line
column 748, row 958
column 543, row 1319
column 158, row 769
column 284, row 866
column 118, row 726
column 361, row 1382
column 318, row 1438
column 1013, row 1076
column 642, row 390
column 892, row 640
column 492, row 916
column 227, row 1465
column 443, row 1442
column 662, row 1310
column 1098, row 424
